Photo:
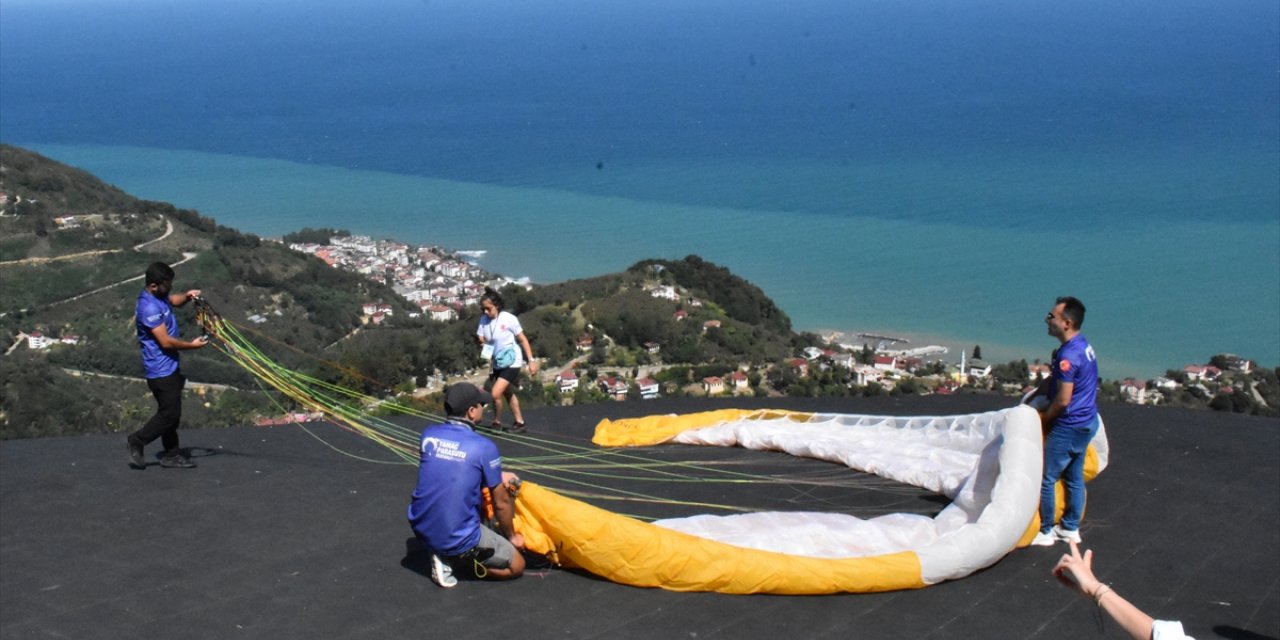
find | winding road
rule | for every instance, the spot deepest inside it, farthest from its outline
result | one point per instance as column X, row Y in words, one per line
column 186, row 256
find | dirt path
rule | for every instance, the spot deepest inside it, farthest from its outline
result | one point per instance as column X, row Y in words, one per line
column 190, row 385
column 69, row 256
column 168, row 230
column 186, row 256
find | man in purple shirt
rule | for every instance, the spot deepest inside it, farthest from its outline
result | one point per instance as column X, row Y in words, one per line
column 157, row 331
column 1070, row 421
column 445, row 513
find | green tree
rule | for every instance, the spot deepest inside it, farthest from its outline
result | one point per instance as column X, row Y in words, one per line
column 1013, row 372
column 783, row 379
column 908, row 386
column 315, row 236
column 867, row 355
column 1222, row 361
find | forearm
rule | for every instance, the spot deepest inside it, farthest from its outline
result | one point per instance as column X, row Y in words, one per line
column 1061, row 400
column 175, row 344
column 166, row 341
column 1130, row 618
column 504, row 512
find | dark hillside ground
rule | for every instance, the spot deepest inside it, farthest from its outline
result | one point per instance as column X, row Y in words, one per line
column 276, row 535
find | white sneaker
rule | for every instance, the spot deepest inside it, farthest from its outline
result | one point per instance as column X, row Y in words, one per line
column 1044, row 539
column 441, row 572
column 1065, row 535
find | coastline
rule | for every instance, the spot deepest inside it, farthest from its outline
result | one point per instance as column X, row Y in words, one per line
column 930, row 282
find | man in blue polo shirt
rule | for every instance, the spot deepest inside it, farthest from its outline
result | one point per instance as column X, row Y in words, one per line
column 1071, row 421
column 445, row 513
column 157, row 330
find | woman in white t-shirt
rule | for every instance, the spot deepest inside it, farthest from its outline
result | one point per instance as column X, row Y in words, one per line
column 505, row 344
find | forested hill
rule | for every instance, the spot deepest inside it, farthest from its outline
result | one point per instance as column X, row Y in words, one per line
column 740, row 299
column 70, row 245
column 53, row 188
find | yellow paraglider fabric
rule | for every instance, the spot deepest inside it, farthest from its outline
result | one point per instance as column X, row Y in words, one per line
column 638, row 432
column 652, row 430
column 628, row 551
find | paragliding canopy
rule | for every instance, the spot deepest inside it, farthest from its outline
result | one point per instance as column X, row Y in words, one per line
column 989, row 464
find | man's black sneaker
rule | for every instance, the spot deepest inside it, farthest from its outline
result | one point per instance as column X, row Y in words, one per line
column 177, row 462
column 135, row 454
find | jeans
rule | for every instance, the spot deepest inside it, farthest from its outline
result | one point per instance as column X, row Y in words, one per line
column 1064, row 450
column 164, row 424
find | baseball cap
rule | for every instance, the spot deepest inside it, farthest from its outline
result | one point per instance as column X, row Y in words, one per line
column 462, row 396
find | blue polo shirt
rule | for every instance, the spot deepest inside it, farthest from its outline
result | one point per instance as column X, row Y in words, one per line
column 151, row 313
column 455, row 463
column 1076, row 363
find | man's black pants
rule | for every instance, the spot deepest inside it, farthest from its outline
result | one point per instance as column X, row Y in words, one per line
column 164, row 424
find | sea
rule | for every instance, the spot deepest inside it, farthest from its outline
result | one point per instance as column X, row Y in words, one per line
column 938, row 172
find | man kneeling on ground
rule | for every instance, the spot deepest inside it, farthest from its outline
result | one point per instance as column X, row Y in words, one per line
column 456, row 465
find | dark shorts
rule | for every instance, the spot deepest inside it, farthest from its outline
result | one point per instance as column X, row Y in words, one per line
column 510, row 374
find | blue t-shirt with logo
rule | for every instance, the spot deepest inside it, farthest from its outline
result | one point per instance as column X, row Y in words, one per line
column 455, row 463
column 151, row 313
column 1076, row 363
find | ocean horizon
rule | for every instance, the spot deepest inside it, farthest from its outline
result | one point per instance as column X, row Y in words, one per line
column 932, row 172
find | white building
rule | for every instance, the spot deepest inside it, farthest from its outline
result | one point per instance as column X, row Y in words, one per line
column 648, row 388
column 442, row 314
column 1134, row 391
column 665, row 292
column 567, row 381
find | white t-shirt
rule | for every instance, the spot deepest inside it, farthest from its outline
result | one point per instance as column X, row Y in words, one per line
column 501, row 332
column 1168, row 630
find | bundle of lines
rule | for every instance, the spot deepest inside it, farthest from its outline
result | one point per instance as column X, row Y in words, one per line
column 575, row 469
column 342, row 407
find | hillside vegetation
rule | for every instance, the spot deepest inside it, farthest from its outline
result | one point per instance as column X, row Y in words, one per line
column 308, row 306
column 74, row 249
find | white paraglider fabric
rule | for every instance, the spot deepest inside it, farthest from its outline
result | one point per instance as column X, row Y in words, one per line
column 989, row 464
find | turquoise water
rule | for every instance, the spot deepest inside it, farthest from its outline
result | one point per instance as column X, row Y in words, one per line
column 940, row 171
column 1158, row 298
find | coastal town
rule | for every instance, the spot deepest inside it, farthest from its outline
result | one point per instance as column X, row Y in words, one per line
column 440, row 282
column 442, row 286
column 443, row 283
